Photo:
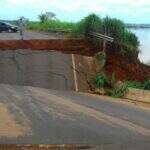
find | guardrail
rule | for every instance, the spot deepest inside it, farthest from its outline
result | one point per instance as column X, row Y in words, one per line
column 101, row 36
column 98, row 35
column 60, row 30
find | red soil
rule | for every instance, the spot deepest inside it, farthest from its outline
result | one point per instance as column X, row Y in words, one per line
column 126, row 68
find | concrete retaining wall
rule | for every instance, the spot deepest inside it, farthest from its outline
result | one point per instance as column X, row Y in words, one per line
column 138, row 95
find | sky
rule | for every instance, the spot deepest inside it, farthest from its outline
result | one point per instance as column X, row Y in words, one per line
column 129, row 11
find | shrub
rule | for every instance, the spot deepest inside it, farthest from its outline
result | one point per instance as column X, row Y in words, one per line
column 101, row 80
column 113, row 27
column 131, row 43
column 91, row 23
column 131, row 39
column 146, row 85
column 119, row 91
column 126, row 41
column 43, row 18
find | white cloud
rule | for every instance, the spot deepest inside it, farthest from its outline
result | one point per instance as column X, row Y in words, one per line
column 98, row 6
column 71, row 5
column 126, row 8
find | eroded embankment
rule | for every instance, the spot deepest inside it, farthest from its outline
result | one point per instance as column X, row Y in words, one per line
column 75, row 46
column 126, row 68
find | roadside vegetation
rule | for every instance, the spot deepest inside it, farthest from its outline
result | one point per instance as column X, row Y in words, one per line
column 125, row 43
column 49, row 25
column 116, row 88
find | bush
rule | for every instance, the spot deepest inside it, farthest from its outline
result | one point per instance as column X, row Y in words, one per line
column 43, row 18
column 131, row 39
column 126, row 41
column 101, row 80
column 131, row 43
column 91, row 23
column 119, row 92
column 113, row 89
column 114, row 28
column 146, row 85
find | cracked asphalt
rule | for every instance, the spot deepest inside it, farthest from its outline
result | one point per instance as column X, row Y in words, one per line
column 43, row 116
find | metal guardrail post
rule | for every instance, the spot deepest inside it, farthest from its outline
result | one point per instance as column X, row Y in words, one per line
column 103, row 37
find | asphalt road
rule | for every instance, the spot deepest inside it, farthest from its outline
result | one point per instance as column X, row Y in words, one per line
column 31, row 115
column 40, row 116
column 28, row 35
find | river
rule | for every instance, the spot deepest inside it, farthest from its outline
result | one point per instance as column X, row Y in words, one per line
column 144, row 38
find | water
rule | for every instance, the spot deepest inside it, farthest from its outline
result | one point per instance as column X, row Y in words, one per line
column 144, row 38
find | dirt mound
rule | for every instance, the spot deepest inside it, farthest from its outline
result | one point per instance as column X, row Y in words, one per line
column 126, row 68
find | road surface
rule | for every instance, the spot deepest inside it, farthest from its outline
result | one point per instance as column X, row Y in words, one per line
column 28, row 35
column 30, row 115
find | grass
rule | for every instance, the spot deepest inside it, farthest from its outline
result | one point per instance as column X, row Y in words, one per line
column 50, row 25
column 125, row 41
column 138, row 85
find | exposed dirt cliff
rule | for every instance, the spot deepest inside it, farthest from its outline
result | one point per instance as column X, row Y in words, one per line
column 126, row 68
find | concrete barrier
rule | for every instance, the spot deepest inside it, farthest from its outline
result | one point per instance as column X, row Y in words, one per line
column 138, row 95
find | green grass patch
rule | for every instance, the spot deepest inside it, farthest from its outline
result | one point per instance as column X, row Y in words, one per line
column 46, row 26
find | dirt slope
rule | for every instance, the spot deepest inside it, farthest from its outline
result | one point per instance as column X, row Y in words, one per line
column 126, row 68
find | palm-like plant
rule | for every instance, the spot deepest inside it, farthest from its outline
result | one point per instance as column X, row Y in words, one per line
column 43, row 18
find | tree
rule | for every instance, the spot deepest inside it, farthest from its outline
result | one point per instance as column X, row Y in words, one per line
column 43, row 18
column 47, row 16
column 51, row 16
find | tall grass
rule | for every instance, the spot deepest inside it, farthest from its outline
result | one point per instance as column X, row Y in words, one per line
column 125, row 41
column 91, row 23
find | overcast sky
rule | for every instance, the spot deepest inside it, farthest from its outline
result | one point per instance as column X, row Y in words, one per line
column 132, row 11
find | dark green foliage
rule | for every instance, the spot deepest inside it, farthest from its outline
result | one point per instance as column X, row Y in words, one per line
column 125, row 39
column 130, row 39
column 134, row 84
column 91, row 23
column 101, row 80
column 130, row 42
column 119, row 92
column 146, row 85
column 43, row 18
column 113, row 27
